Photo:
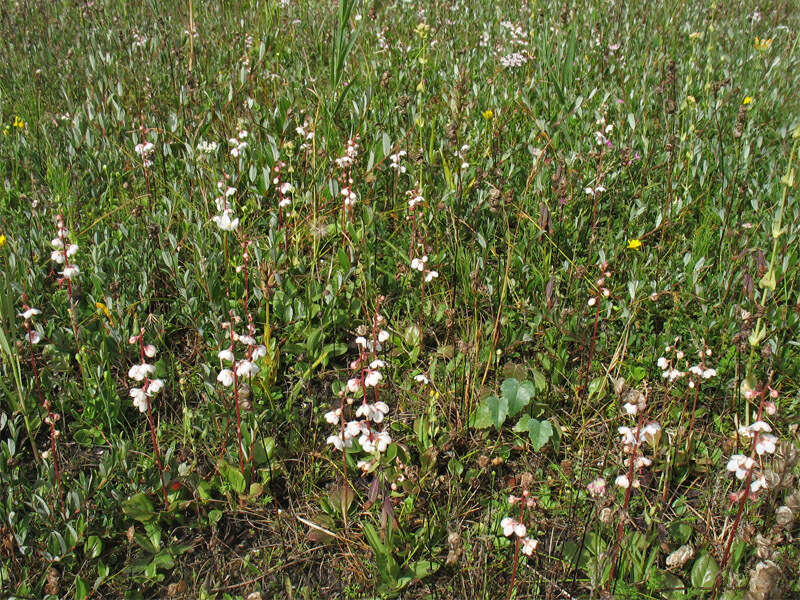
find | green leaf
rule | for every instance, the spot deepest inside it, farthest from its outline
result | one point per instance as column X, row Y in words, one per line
column 596, row 387
column 517, row 394
column 492, row 411
column 540, row 433
column 423, row 568
column 387, row 566
column 81, row 589
column 232, row 476
column 139, row 507
column 704, row 571
column 93, row 547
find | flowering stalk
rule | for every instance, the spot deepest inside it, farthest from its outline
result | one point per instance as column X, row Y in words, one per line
column 63, row 251
column 516, row 529
column 145, row 150
column 239, row 369
column 33, row 337
column 141, row 397
column 345, row 163
column 367, row 426
column 602, row 292
column 632, row 440
column 744, row 467
column 427, row 275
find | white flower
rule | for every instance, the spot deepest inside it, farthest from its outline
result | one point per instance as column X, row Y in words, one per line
column 139, row 399
column 154, row 386
column 630, row 408
column 628, row 436
column 336, row 441
column 529, row 545
column 418, row 264
column 33, row 336
column 622, row 481
column 513, row 527
column 207, row 147
column 150, row 350
column 247, row 340
column 740, row 465
column 508, row 526
column 650, row 432
column 287, row 188
column 226, row 354
column 372, row 378
column 225, row 377
column 662, row 363
column 766, row 443
column 353, row 385
column 431, row 275
column 377, row 364
column 139, row 372
column 72, row 249
column 757, row 484
column 259, row 351
column 374, row 442
column 57, row 256
column 224, row 221
column 57, row 242
column 70, row 272
column 708, row 373
column 247, row 368
column 31, row 312
column 421, row 378
column 333, row 416
column 373, row 412
column 597, row 487
column 361, row 341
column 354, row 428
column 383, row 336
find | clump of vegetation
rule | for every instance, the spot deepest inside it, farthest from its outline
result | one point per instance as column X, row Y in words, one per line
column 420, row 300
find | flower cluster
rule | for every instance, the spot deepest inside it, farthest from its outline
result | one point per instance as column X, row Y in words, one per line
column 367, row 426
column 64, row 251
column 516, row 528
column 238, row 143
column 225, row 220
column 145, row 152
column 513, row 60
column 142, row 372
column 284, row 187
column 601, row 135
column 602, row 290
column 205, row 147
column 421, row 265
column 669, row 366
column 350, row 154
column 349, row 197
column 32, row 336
column 396, row 161
column 246, row 367
column 632, row 439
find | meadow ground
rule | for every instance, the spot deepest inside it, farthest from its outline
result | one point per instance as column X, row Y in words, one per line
column 385, row 298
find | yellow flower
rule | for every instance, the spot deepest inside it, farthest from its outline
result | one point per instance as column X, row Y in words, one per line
column 747, row 100
column 18, row 122
column 3, row 240
column 634, row 244
column 762, row 44
column 104, row 309
column 487, row 114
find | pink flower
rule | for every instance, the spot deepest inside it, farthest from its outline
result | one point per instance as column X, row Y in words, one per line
column 597, row 487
